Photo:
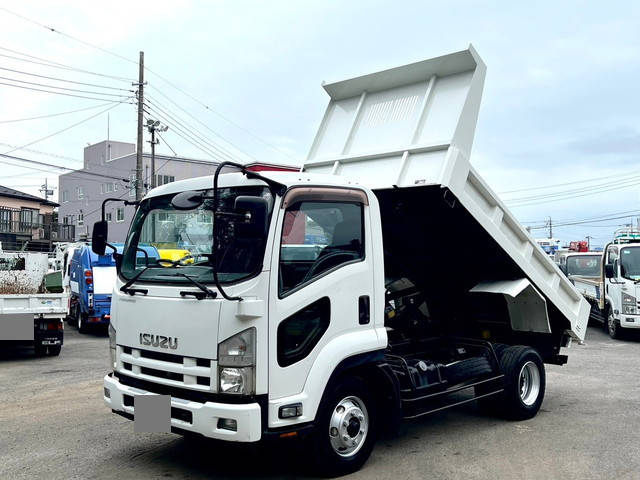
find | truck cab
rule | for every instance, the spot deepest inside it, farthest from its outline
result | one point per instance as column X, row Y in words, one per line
column 319, row 304
column 621, row 279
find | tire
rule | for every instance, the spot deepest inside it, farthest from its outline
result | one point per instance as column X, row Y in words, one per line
column 40, row 350
column 524, row 382
column 466, row 369
column 82, row 323
column 347, row 415
column 54, row 350
column 613, row 326
column 490, row 405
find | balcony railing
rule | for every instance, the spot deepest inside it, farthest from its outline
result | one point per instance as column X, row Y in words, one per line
column 56, row 232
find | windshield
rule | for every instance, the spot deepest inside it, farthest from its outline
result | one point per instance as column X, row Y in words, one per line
column 181, row 241
column 584, row 265
column 630, row 263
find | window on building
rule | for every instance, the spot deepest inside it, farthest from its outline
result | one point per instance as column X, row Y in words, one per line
column 65, row 220
column 107, row 216
column 102, row 188
column 80, row 192
column 26, row 217
column 80, row 218
column 120, row 214
column 164, row 179
column 65, row 196
column 115, row 187
column 109, row 187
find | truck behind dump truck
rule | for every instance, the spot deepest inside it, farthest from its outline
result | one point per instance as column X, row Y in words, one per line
column 613, row 291
column 28, row 315
column 320, row 304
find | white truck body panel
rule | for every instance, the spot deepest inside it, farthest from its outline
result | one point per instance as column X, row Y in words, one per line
column 104, row 278
column 31, row 276
column 414, row 125
column 50, row 304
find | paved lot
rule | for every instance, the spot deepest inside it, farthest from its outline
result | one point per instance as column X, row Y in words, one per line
column 53, row 425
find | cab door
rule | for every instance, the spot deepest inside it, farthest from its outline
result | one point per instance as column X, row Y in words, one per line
column 324, row 283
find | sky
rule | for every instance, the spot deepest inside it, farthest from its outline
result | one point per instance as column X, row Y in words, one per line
column 558, row 133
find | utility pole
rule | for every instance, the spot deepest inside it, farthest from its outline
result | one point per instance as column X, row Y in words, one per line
column 45, row 190
column 588, row 237
column 140, row 85
column 550, row 228
column 153, row 127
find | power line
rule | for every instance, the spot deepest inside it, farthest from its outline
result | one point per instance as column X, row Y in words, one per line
column 575, row 190
column 542, row 187
column 191, row 130
column 168, row 82
column 184, row 134
column 63, row 88
column 65, row 80
column 15, row 120
column 36, row 162
column 574, row 196
column 63, row 130
column 62, row 157
column 64, row 67
column 201, row 123
column 56, row 93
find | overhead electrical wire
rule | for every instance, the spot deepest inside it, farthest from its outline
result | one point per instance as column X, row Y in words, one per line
column 193, row 131
column 594, row 179
column 56, row 93
column 68, row 89
column 65, row 67
column 37, row 162
column 165, row 80
column 68, row 112
column 65, row 80
column 63, row 130
column 200, row 122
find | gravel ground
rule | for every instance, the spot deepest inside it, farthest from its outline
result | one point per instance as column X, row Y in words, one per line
column 54, row 425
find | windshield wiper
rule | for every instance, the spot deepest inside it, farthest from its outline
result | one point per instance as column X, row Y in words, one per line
column 125, row 288
column 207, row 292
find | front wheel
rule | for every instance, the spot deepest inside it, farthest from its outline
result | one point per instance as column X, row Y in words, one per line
column 613, row 326
column 345, row 430
column 524, row 382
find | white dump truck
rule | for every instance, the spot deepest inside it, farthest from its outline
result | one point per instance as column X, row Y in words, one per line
column 29, row 315
column 320, row 304
column 613, row 290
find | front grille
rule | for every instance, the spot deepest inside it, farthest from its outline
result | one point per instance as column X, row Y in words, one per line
column 162, row 374
column 165, row 357
column 181, row 414
column 168, row 368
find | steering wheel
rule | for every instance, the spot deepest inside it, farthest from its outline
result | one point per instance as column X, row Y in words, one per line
column 325, row 258
column 175, row 263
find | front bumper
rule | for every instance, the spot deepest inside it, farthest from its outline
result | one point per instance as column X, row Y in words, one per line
column 629, row 321
column 204, row 416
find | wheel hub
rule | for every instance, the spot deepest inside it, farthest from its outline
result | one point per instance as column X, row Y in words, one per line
column 529, row 381
column 348, row 426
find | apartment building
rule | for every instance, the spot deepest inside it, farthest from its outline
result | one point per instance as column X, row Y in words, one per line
column 109, row 171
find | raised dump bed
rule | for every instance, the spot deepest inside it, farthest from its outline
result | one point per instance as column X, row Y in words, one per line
column 407, row 133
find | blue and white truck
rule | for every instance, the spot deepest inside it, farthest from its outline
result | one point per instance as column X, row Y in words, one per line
column 91, row 280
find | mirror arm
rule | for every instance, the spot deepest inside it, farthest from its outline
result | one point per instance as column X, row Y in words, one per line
column 107, row 200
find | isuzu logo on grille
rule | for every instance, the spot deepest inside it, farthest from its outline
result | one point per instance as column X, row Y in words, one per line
column 158, row 341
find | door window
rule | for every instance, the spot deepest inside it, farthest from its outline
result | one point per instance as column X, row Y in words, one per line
column 318, row 237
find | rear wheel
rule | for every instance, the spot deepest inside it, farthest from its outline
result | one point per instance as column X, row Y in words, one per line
column 524, row 382
column 82, row 322
column 346, row 429
column 40, row 350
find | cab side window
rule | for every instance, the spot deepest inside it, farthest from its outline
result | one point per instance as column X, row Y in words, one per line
column 318, row 237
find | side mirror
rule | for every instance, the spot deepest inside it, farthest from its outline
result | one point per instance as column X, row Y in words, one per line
column 99, row 237
column 608, row 270
column 187, row 200
column 257, row 208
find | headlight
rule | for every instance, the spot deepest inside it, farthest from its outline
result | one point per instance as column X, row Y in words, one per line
column 629, row 309
column 628, row 299
column 236, row 363
column 112, row 345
